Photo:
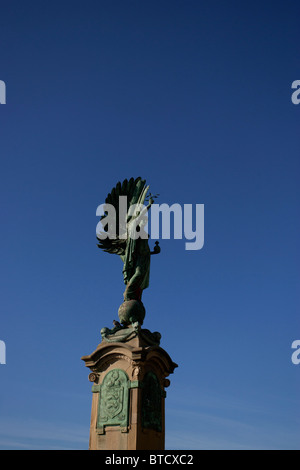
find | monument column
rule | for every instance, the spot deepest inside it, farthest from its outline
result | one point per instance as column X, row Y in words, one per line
column 129, row 372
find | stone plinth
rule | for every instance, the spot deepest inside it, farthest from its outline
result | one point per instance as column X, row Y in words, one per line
column 129, row 372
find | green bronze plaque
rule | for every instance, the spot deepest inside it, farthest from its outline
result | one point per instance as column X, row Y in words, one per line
column 113, row 400
column 151, row 403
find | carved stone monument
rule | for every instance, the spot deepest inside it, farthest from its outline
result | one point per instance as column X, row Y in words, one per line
column 129, row 368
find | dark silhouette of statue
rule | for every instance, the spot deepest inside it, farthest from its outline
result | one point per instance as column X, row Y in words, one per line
column 128, row 239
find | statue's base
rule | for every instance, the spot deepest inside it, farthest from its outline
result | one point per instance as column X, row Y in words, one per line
column 129, row 371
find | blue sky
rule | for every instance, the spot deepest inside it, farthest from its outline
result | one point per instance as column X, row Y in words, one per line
column 195, row 97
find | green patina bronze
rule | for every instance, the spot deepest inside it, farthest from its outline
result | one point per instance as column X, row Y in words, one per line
column 122, row 334
column 113, row 400
column 135, row 253
column 151, row 402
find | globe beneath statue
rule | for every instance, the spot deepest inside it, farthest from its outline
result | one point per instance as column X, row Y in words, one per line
column 131, row 311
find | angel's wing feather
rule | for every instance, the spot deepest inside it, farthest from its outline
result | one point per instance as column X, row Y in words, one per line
column 135, row 190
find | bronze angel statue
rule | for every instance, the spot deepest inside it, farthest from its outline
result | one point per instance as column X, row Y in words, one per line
column 125, row 236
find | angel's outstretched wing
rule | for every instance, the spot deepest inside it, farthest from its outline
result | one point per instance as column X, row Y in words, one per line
column 135, row 191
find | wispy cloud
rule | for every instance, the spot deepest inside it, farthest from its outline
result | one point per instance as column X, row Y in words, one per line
column 199, row 441
column 35, row 434
column 200, row 421
column 207, row 431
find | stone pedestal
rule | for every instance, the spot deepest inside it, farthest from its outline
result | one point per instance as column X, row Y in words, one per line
column 129, row 372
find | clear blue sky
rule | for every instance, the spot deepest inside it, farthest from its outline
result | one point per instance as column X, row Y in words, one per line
column 195, row 96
